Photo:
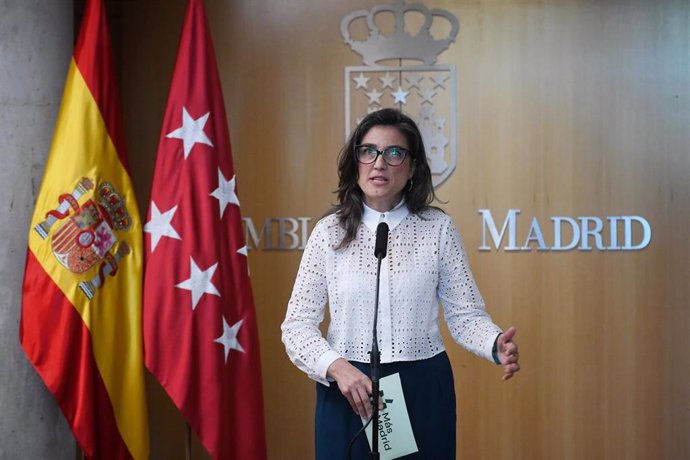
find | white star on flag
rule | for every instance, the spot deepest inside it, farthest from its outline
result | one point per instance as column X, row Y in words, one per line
column 160, row 226
column 199, row 282
column 225, row 193
column 243, row 251
column 191, row 131
column 400, row 95
column 229, row 338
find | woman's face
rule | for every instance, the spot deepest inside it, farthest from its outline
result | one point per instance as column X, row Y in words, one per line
column 381, row 183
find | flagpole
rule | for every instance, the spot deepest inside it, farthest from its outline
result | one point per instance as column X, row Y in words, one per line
column 187, row 441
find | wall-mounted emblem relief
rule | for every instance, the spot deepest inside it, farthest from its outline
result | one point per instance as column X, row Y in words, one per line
column 399, row 50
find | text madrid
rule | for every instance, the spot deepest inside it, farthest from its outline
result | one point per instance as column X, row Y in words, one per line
column 583, row 233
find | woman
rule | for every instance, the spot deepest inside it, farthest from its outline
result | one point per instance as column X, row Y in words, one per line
column 384, row 176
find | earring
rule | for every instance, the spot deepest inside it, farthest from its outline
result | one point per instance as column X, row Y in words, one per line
column 409, row 188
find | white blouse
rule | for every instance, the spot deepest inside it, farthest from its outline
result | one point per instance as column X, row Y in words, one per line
column 425, row 265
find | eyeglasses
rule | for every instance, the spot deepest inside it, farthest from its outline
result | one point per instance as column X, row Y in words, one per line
column 393, row 155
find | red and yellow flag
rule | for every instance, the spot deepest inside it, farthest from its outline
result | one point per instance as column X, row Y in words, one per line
column 81, row 302
column 200, row 330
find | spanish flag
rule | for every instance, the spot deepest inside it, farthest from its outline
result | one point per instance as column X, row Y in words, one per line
column 81, row 301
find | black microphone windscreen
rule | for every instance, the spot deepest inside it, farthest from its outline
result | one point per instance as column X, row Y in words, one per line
column 381, row 241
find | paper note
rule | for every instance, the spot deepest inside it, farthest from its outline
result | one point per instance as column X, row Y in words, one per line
column 395, row 432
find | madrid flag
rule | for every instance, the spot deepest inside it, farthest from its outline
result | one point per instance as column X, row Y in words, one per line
column 200, row 333
column 81, row 302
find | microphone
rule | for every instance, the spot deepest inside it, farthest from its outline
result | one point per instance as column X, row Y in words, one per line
column 380, row 250
column 381, row 247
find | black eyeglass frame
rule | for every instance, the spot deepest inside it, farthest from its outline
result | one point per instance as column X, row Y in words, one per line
column 405, row 152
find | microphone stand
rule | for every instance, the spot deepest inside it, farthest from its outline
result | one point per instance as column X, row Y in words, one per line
column 375, row 357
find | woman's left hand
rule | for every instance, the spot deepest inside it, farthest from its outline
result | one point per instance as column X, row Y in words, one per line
column 508, row 353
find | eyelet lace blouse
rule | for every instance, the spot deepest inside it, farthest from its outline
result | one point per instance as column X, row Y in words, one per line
column 425, row 265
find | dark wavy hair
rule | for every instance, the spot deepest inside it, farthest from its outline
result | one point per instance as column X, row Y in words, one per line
column 418, row 194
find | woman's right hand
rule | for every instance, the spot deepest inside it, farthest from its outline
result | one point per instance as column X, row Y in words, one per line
column 353, row 384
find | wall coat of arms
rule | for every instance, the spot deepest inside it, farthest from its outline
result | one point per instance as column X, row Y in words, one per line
column 424, row 90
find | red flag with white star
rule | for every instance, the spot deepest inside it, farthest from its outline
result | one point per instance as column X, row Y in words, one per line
column 200, row 333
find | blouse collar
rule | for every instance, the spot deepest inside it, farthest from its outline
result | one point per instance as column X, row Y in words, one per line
column 372, row 218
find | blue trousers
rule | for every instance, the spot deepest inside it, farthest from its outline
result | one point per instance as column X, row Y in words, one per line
column 430, row 398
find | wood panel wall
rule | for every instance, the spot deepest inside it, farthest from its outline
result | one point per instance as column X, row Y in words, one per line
column 565, row 108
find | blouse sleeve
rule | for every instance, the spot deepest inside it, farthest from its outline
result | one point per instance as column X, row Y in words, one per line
column 304, row 342
column 468, row 322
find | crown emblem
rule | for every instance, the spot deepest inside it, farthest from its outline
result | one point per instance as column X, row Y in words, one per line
column 400, row 44
column 112, row 202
